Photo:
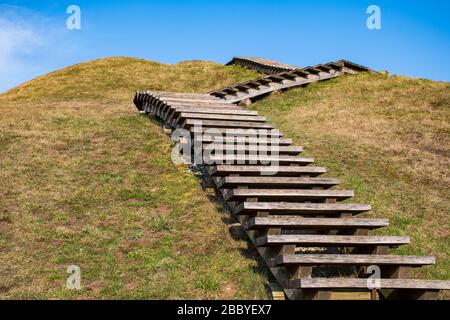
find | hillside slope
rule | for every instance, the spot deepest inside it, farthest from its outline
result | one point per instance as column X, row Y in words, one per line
column 387, row 139
column 86, row 181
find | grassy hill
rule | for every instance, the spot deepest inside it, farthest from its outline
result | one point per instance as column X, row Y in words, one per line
column 84, row 180
column 387, row 138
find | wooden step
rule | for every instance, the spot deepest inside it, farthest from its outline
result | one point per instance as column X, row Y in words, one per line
column 257, row 160
column 351, row 259
column 183, row 98
column 169, row 106
column 289, row 171
column 190, row 100
column 286, row 194
column 245, row 140
column 227, row 124
column 331, row 240
column 323, row 68
column 220, row 104
column 205, row 110
column 300, row 208
column 278, row 182
column 261, row 65
column 251, row 149
column 295, row 222
column 178, row 94
column 335, row 66
column 311, row 70
column 230, row 89
column 166, row 108
column 236, row 132
column 276, row 78
column 174, row 114
column 352, row 283
column 167, row 111
column 222, row 117
column 352, row 65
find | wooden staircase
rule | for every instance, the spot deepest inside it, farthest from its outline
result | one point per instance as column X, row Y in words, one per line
column 247, row 92
column 316, row 246
column 261, row 65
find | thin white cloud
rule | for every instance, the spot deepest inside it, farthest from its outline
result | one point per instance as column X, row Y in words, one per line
column 25, row 39
column 18, row 38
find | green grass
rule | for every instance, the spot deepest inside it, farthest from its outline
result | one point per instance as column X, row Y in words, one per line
column 387, row 138
column 87, row 181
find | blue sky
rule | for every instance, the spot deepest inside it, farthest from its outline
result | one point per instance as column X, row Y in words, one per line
column 414, row 39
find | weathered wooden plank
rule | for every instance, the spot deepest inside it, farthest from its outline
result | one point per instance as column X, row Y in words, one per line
column 245, row 140
column 220, row 104
column 177, row 94
column 331, row 240
column 276, row 78
column 255, row 149
column 278, row 182
column 352, row 259
column 300, row 208
column 352, row 283
column 258, row 159
column 211, row 100
column 295, row 222
column 323, row 67
column 227, row 124
column 261, row 65
column 173, row 112
column 168, row 109
column 286, row 194
column 223, row 170
column 236, row 132
column 223, row 117
column 219, row 110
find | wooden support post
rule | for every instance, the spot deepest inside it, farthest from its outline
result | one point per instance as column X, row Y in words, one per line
column 397, row 272
column 373, row 294
column 300, row 272
column 381, row 250
column 262, row 214
column 258, row 233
